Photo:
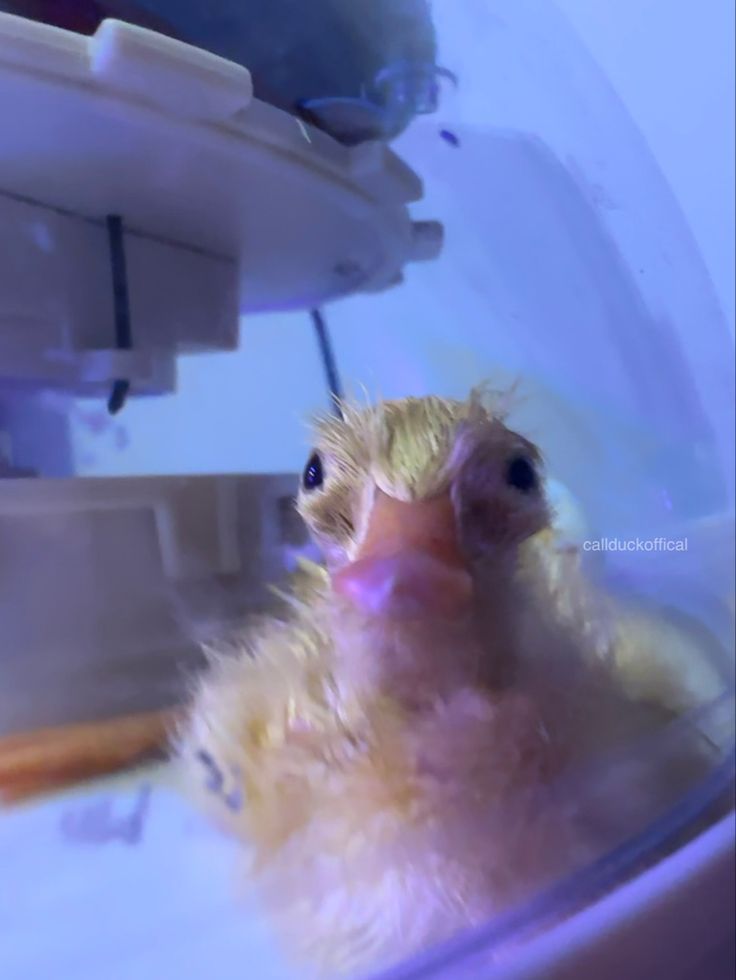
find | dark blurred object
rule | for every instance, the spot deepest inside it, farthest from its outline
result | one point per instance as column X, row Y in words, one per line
column 359, row 69
column 85, row 16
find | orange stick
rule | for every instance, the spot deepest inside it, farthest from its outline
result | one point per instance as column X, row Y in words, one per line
column 56, row 758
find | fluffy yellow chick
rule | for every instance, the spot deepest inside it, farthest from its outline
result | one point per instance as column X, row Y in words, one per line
column 397, row 748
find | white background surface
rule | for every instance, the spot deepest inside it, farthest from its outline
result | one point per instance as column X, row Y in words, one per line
column 164, row 908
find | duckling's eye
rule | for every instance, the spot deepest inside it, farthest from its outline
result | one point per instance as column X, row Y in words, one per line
column 521, row 474
column 313, row 477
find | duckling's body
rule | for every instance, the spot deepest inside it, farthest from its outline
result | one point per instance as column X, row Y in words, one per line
column 401, row 736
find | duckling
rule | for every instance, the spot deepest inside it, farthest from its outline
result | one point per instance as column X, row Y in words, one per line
column 392, row 748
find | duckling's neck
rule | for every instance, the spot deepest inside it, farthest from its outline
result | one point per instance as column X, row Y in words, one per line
column 502, row 602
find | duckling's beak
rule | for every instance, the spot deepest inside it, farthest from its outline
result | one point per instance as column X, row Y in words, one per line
column 409, row 562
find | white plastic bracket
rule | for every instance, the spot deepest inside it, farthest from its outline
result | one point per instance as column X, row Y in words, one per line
column 174, row 76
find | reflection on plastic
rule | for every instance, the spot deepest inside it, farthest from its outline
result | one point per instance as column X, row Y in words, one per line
column 628, row 850
column 96, row 822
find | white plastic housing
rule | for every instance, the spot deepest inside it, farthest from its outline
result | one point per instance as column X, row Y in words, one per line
column 228, row 205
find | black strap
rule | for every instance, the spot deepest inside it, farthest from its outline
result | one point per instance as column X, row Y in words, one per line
column 121, row 306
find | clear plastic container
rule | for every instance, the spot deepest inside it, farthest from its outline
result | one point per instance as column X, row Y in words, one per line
column 519, row 226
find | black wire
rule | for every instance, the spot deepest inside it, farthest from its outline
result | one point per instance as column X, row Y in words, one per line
column 328, row 360
column 121, row 306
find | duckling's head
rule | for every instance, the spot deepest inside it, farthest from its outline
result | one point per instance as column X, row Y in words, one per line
column 413, row 501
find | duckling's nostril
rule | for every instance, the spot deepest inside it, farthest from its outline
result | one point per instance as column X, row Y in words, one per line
column 476, row 512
